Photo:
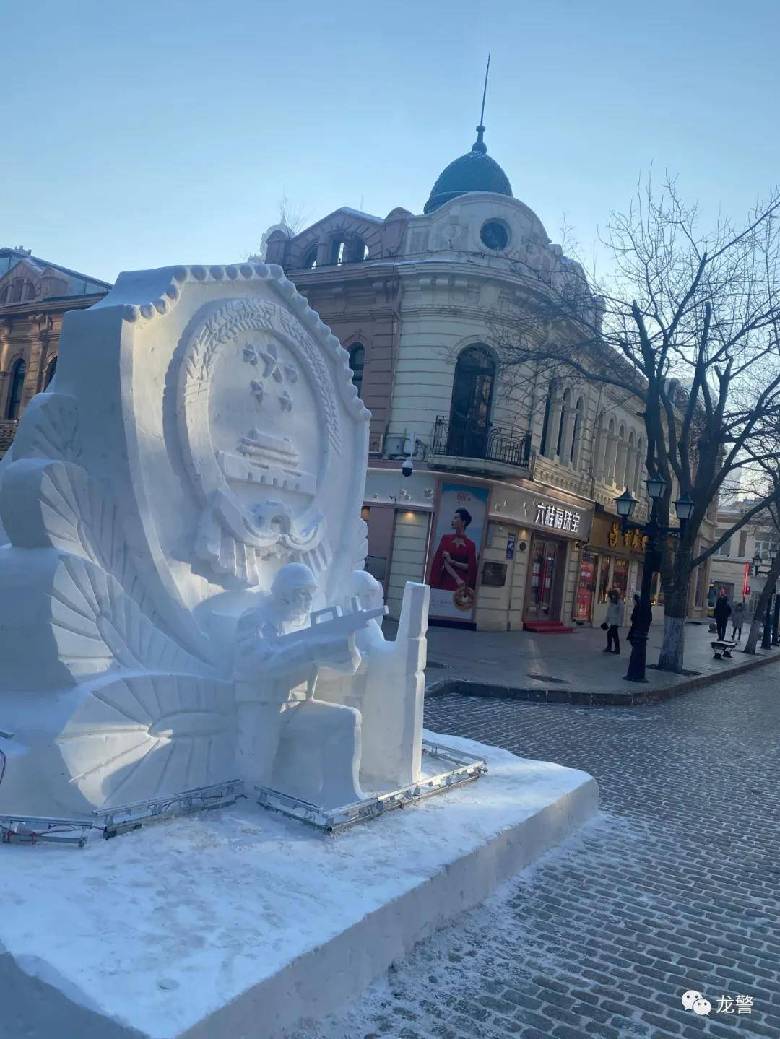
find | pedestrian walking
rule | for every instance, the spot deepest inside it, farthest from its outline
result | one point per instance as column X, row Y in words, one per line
column 613, row 621
column 737, row 620
column 722, row 614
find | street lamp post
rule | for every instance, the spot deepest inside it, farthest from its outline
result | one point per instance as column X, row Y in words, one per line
column 769, row 636
column 653, row 531
column 766, row 638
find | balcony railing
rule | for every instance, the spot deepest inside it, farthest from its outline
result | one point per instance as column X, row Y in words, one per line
column 7, row 433
column 494, row 444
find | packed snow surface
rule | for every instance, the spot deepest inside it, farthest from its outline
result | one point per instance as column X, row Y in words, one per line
column 161, row 927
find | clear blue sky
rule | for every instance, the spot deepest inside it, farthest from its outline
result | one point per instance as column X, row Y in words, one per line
column 140, row 133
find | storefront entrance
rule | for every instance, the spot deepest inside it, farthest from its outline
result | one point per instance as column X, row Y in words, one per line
column 586, row 587
column 545, row 579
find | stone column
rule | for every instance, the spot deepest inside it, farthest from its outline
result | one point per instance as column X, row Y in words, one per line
column 43, row 359
column 323, row 253
column 621, row 454
column 597, row 442
column 4, row 352
column 33, row 355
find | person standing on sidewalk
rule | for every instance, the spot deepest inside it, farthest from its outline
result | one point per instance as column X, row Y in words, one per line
column 635, row 614
column 737, row 620
column 614, row 620
column 722, row 614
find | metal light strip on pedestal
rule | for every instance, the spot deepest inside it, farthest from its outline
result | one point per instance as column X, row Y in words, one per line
column 467, row 768
column 114, row 821
column 31, row 829
column 28, row 829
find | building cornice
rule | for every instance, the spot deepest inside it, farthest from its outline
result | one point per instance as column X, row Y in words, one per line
column 58, row 305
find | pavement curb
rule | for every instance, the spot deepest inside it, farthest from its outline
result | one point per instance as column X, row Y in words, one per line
column 632, row 697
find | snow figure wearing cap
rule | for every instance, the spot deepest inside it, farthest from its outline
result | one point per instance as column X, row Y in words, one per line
column 287, row 739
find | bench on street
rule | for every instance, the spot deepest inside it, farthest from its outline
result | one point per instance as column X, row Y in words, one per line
column 723, row 648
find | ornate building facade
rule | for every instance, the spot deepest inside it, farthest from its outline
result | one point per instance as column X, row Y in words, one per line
column 422, row 302
column 34, row 296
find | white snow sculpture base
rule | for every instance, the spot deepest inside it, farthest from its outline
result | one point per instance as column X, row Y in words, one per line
column 241, row 923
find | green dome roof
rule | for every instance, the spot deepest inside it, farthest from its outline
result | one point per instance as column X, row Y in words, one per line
column 475, row 171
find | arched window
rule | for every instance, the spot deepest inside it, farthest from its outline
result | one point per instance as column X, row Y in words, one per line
column 579, row 415
column 310, row 258
column 348, row 249
column 549, row 428
column 51, row 368
column 472, row 396
column 29, row 290
column 355, row 250
column 560, row 446
column 14, row 405
column 357, row 362
column 4, row 294
column 16, row 290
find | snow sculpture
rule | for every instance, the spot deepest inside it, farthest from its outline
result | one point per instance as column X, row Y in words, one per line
column 179, row 605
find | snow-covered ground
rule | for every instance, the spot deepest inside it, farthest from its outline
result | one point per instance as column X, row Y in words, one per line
column 241, row 913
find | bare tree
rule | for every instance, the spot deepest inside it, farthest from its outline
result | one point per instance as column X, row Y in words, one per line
column 759, row 614
column 686, row 327
column 291, row 220
column 766, row 480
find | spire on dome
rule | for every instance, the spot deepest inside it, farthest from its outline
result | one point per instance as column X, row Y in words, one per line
column 479, row 144
column 474, row 171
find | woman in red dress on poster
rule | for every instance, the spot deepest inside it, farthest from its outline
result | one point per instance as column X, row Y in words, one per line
column 454, row 565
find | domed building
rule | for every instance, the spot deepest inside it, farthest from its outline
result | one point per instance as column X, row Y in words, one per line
column 509, row 509
column 474, row 171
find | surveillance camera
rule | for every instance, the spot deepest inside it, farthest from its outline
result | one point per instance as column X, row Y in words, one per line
column 407, row 468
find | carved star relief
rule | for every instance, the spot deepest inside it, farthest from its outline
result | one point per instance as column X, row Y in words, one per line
column 274, row 369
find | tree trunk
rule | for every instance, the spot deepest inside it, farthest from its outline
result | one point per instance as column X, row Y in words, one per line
column 755, row 631
column 673, row 646
column 676, row 577
column 760, row 614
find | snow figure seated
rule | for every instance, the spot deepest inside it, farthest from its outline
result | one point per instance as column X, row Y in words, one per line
column 179, row 602
column 287, row 739
column 388, row 686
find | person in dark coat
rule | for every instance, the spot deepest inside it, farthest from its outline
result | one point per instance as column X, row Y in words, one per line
column 722, row 614
column 638, row 620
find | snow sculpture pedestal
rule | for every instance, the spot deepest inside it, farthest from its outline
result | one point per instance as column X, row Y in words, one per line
column 183, row 614
column 241, row 924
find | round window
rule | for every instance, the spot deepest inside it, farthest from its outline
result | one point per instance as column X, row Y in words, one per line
column 495, row 235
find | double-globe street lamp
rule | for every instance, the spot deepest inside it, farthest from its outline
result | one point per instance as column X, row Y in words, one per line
column 654, row 532
column 771, row 636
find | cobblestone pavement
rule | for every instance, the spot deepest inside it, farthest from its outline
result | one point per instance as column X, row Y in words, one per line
column 674, row 887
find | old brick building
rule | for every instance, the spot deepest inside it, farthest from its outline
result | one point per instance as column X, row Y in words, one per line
column 34, row 296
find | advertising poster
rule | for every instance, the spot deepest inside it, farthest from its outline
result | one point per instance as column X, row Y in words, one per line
column 455, row 547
